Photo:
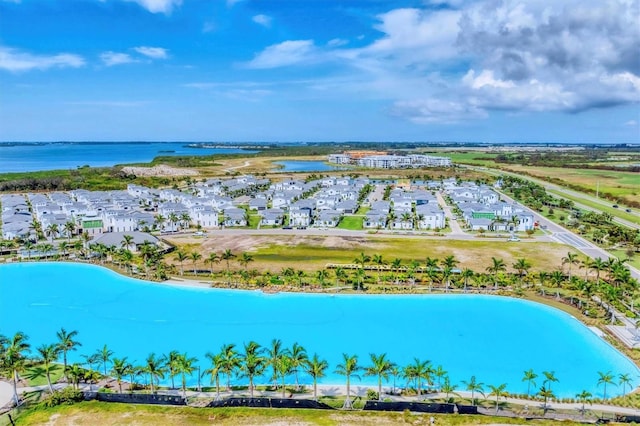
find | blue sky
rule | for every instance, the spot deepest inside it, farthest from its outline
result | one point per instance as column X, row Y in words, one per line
column 320, row 70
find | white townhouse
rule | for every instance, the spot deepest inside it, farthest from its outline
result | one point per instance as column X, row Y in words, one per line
column 375, row 219
column 299, row 216
column 271, row 217
column 430, row 217
column 328, row 218
column 205, row 216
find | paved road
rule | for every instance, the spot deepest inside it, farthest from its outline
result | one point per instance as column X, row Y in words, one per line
column 554, row 187
column 564, row 236
column 453, row 223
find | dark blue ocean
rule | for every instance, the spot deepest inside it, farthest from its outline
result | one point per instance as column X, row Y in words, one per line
column 28, row 157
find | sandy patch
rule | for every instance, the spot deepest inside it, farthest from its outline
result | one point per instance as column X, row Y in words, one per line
column 160, row 170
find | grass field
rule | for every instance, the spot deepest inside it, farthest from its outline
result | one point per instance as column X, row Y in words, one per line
column 351, row 222
column 100, row 413
column 311, row 253
column 620, row 184
column 619, row 212
column 36, row 377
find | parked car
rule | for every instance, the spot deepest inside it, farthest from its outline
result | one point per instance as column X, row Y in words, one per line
column 615, row 206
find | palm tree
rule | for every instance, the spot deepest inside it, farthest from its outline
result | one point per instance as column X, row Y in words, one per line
column 227, row 255
column 379, row 262
column 440, row 373
column 522, row 266
column 380, row 367
column 195, row 256
column 361, row 260
column 421, row 370
column 127, row 240
column 173, row 220
column 215, row 370
column 171, row 361
column 229, row 362
column 322, row 276
column 155, row 367
column 185, row 219
column 466, row 274
column 341, row 275
column 604, row 379
column 348, row 368
column 499, row 392
column 316, row 368
column 119, row 369
column 547, row 394
column 432, row 268
column 284, row 367
column 47, row 355
column 69, row 228
column 67, row 343
column 52, row 230
column 448, row 388
column 598, row 265
column 529, row 377
column 181, row 256
column 28, row 246
column 298, row 357
column 14, row 357
column 245, row 259
column 252, row 363
column 104, row 355
column 624, row 380
column 570, row 259
column 213, row 258
column 275, row 352
column 75, row 373
column 584, row 397
column 496, row 267
column 474, row 386
column 549, row 378
column 185, row 366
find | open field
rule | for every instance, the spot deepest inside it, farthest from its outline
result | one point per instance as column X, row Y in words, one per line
column 97, row 413
column 311, row 253
column 619, row 184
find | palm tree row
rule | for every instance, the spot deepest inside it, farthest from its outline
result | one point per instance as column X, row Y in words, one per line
column 250, row 362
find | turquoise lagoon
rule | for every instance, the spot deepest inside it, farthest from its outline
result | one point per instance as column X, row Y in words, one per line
column 493, row 338
column 305, row 166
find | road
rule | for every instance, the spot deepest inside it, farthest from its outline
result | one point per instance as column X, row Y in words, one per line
column 553, row 187
column 564, row 236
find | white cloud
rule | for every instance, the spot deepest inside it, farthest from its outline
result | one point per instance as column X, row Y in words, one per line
column 283, row 54
column 263, row 20
column 428, row 111
column 158, row 6
column 116, row 58
column 337, row 42
column 152, row 52
column 231, row 3
column 16, row 61
column 631, row 123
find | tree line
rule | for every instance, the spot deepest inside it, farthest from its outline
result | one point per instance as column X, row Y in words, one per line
column 252, row 362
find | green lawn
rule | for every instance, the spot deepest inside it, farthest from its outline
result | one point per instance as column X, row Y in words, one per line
column 353, row 223
column 36, row 377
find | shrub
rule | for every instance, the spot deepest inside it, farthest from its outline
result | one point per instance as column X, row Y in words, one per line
column 372, row 395
column 67, row 396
